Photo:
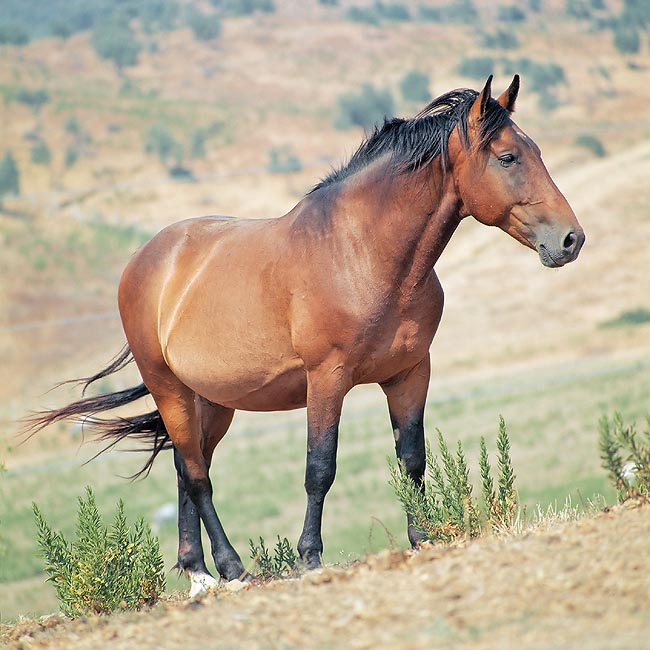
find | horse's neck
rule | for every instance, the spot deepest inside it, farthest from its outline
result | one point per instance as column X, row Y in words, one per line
column 404, row 220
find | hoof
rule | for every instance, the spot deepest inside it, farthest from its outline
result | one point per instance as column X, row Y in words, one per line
column 236, row 585
column 201, row 582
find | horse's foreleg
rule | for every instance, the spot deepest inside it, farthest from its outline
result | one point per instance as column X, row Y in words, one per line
column 325, row 391
column 406, row 395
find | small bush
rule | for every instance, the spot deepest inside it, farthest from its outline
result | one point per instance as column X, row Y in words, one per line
column 414, row 86
column 627, row 39
column 476, row 67
column 9, row 175
column 13, row 35
column 102, row 570
column 392, row 11
column 629, row 317
column 591, row 142
column 206, row 27
column 626, row 456
column 282, row 160
column 283, row 563
column 71, row 155
column 444, row 509
column 459, row 12
column 160, row 142
column 40, row 153
column 501, row 39
column 367, row 15
column 511, row 14
column 364, row 108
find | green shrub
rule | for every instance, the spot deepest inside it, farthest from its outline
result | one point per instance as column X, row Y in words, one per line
column 460, row 12
column 160, row 142
column 367, row 15
column 282, row 160
column 115, row 40
column 206, row 27
column 591, row 142
column 444, row 509
column 102, row 570
column 629, row 317
column 9, row 175
column 501, row 39
column 364, row 108
column 627, row 39
column 40, row 153
column 33, row 98
column 392, row 11
column 626, row 456
column 13, row 35
column 511, row 14
column 283, row 563
column 476, row 67
column 71, row 155
column 414, row 86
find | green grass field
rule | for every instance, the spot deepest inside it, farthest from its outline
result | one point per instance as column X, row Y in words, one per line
column 552, row 417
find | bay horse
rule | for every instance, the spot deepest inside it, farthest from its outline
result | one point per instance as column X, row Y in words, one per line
column 223, row 314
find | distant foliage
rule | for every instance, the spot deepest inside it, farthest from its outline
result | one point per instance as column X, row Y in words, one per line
column 629, row 318
column 244, row 7
column 414, row 86
column 460, row 12
column 329, row 3
column 9, row 175
column 71, row 155
column 13, row 34
column 366, row 15
column 476, row 67
column 511, row 14
column 206, row 27
column 281, row 563
column 35, row 98
column 592, row 143
column 283, row 160
column 501, row 39
column 364, row 108
column 103, row 569
column 625, row 454
column 114, row 40
column 627, row 39
column 577, row 9
column 160, row 142
column 395, row 11
column 40, row 153
column 444, row 509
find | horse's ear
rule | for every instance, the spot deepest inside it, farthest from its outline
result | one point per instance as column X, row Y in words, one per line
column 480, row 104
column 508, row 98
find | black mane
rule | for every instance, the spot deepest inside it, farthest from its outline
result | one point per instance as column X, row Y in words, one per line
column 414, row 143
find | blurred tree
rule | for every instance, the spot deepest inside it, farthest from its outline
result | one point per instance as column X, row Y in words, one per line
column 206, row 27
column 13, row 35
column 364, row 108
column 627, row 39
column 9, row 175
column 114, row 40
column 33, row 98
column 40, row 153
column 414, row 86
column 160, row 142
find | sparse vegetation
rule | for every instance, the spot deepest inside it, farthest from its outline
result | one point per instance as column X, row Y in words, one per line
column 444, row 509
column 160, row 142
column 629, row 317
column 414, row 86
column 9, row 175
column 626, row 456
column 206, row 27
column 476, row 67
column 103, row 570
column 592, row 143
column 276, row 565
column 364, row 108
column 40, row 153
column 115, row 40
column 283, row 160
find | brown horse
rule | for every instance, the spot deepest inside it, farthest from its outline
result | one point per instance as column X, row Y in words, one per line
column 262, row 315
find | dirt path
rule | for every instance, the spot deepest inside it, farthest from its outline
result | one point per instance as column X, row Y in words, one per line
column 575, row 585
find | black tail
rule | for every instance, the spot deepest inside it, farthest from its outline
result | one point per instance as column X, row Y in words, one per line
column 148, row 428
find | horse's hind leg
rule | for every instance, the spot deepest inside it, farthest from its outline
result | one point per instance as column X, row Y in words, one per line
column 214, row 421
column 180, row 414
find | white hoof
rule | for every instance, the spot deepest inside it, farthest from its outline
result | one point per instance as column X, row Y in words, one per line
column 201, row 582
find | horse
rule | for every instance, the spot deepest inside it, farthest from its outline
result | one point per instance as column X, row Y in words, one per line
column 273, row 314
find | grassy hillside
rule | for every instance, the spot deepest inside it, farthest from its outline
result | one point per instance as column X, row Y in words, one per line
column 550, row 350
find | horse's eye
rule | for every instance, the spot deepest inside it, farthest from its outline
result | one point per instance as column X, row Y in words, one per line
column 507, row 159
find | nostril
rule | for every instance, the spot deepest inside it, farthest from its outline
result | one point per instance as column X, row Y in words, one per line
column 569, row 241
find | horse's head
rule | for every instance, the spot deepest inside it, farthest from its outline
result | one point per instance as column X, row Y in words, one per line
column 503, row 182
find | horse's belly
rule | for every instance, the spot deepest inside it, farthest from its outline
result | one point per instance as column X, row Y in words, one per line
column 278, row 384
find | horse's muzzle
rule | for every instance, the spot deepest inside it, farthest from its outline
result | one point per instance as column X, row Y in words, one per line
column 565, row 251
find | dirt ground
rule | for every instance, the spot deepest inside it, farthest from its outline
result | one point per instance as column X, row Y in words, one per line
column 581, row 584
